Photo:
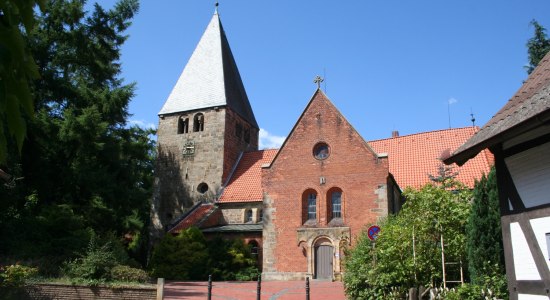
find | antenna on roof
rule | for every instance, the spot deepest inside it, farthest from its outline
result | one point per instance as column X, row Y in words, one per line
column 449, row 112
column 473, row 119
column 324, row 81
column 449, row 102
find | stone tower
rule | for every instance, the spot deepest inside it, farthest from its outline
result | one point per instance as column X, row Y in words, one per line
column 204, row 126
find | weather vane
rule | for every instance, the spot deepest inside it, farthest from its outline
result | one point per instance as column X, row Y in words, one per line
column 318, row 79
column 216, row 5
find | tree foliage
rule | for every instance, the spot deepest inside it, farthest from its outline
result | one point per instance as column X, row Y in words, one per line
column 104, row 260
column 395, row 263
column 181, row 257
column 82, row 167
column 17, row 69
column 484, row 236
column 189, row 256
column 537, row 46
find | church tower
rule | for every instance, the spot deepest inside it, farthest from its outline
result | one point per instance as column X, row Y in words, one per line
column 204, row 126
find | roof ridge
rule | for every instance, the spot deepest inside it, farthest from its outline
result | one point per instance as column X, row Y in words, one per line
column 425, row 132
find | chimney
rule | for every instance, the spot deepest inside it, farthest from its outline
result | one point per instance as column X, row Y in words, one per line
column 394, row 133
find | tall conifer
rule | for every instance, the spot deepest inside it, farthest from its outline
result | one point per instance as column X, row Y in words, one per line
column 484, row 237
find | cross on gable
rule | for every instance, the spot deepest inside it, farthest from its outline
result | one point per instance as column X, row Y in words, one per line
column 318, row 79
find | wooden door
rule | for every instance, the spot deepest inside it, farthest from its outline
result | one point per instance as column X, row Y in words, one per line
column 323, row 262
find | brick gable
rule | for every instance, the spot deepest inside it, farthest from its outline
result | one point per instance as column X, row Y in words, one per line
column 351, row 166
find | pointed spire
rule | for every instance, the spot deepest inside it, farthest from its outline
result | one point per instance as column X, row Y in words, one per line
column 210, row 78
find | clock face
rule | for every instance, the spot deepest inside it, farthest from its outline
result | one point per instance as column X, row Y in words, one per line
column 321, row 150
column 189, row 148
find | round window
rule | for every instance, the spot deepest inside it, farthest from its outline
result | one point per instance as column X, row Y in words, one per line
column 202, row 188
column 321, row 150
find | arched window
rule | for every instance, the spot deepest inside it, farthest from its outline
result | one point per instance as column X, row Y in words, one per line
column 254, row 249
column 248, row 216
column 247, row 135
column 183, row 125
column 336, row 200
column 198, row 122
column 309, row 207
column 334, row 203
column 238, row 130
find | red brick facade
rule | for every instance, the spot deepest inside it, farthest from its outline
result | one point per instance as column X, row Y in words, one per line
column 290, row 240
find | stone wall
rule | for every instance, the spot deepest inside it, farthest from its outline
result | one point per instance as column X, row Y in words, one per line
column 77, row 292
column 191, row 160
column 234, row 213
column 186, row 161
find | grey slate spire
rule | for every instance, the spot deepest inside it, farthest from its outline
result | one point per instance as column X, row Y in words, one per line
column 210, row 78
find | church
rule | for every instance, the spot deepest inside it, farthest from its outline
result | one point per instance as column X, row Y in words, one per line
column 298, row 207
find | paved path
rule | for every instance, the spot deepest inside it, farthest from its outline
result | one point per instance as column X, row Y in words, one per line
column 271, row 290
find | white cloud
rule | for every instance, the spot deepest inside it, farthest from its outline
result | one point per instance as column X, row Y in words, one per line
column 268, row 141
column 142, row 124
column 452, row 100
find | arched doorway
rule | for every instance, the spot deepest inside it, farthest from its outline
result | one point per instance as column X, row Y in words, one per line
column 324, row 252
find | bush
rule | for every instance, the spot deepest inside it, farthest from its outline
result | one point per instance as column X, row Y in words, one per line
column 188, row 256
column 470, row 292
column 95, row 264
column 390, row 269
column 128, row 274
column 15, row 276
column 181, row 257
column 99, row 260
column 247, row 274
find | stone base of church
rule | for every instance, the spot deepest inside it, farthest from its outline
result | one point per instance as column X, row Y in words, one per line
column 285, row 276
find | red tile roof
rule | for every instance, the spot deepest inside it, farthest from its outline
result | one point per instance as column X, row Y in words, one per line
column 528, row 108
column 245, row 184
column 193, row 217
column 413, row 157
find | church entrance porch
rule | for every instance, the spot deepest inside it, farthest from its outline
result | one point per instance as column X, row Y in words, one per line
column 322, row 248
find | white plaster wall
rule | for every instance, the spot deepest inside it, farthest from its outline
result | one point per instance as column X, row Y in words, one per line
column 541, row 226
column 531, row 297
column 530, row 171
column 524, row 264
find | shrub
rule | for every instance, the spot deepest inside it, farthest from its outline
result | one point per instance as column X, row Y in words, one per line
column 181, row 257
column 188, row 256
column 14, row 276
column 128, row 274
column 98, row 261
column 390, row 268
column 95, row 264
column 247, row 274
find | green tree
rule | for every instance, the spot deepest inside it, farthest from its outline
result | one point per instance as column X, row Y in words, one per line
column 188, row 256
column 80, row 153
column 181, row 257
column 537, row 46
column 17, row 68
column 396, row 263
column 483, row 235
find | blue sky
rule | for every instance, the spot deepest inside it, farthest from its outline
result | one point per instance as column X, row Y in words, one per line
column 388, row 65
